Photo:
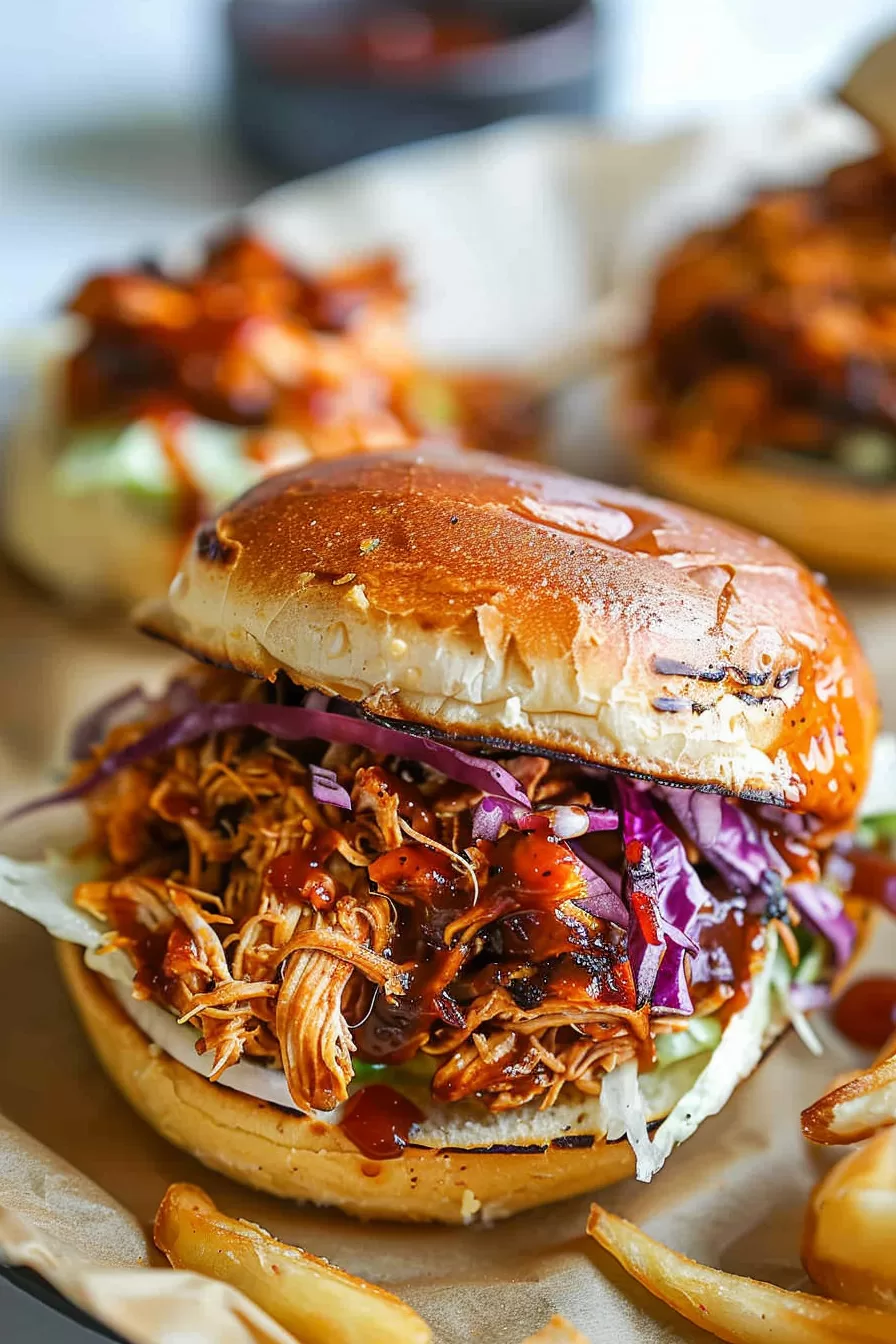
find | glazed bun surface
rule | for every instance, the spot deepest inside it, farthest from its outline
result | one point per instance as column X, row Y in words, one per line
column 504, row 603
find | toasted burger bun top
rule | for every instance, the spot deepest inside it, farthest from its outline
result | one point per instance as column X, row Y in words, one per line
column 501, row 602
column 844, row 525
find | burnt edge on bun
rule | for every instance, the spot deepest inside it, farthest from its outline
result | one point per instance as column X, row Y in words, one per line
column 567, row 757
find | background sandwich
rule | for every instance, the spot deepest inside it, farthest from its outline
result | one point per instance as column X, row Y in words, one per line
column 162, row 394
column 764, row 389
column 504, row 825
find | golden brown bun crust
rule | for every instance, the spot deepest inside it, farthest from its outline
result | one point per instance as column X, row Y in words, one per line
column 285, row 1154
column 839, row 526
column 492, row 599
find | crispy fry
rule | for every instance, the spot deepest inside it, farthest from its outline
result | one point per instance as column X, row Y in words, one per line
column 557, row 1331
column 742, row 1311
column 858, row 1107
column 850, row 1228
column 319, row 1303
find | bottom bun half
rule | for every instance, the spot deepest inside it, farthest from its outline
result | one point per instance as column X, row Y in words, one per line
column 834, row 525
column 282, row 1153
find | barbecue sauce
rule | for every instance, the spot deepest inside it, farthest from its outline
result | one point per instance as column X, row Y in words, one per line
column 162, row 956
column 412, row 806
column 533, row 945
column 300, row 874
column 866, row 1013
column 178, row 806
column 428, row 891
column 169, row 425
column 378, row 1121
column 577, row 957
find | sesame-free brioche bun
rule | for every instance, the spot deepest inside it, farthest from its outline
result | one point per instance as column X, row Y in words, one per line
column 283, row 1153
column 503, row 603
column 842, row 526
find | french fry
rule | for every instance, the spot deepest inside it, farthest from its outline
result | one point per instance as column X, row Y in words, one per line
column 317, row 1302
column 858, row 1107
column 557, row 1331
column 849, row 1235
column 742, row 1311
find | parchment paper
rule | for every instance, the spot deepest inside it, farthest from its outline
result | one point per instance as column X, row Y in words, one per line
column 80, row 1175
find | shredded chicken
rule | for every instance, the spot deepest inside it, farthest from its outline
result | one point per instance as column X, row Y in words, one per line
column 304, row 937
column 773, row 332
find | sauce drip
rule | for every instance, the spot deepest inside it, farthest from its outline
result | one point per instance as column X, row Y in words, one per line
column 730, row 940
column 178, row 804
column 535, row 943
column 866, row 1013
column 300, row 874
column 191, row 510
column 162, row 956
column 412, row 806
column 378, row 1121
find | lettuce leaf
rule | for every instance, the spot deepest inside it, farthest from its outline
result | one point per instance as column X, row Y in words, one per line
column 879, row 801
column 130, row 458
column 701, row 1034
column 43, row 891
column 734, row 1059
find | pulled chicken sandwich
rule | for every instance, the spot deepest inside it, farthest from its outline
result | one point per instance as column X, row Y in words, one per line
column 765, row 388
column 496, row 832
column 164, row 391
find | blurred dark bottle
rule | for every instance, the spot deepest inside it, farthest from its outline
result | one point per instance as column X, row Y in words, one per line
column 318, row 82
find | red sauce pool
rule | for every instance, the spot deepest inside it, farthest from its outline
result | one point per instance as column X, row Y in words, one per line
column 378, row 1121
column 866, row 1014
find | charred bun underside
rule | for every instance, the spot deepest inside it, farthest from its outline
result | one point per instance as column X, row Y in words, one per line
column 509, row 605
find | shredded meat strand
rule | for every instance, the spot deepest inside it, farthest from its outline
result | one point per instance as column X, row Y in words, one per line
column 299, row 936
column 772, row 331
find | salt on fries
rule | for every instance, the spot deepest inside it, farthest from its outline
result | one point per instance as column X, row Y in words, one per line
column 741, row 1311
column 849, row 1236
column 858, row 1107
column 557, row 1331
column 318, row 1303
